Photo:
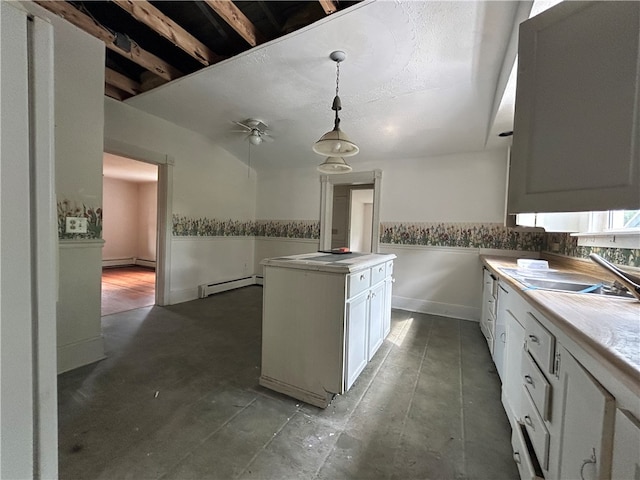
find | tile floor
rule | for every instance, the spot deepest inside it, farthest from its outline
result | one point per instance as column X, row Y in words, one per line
column 178, row 398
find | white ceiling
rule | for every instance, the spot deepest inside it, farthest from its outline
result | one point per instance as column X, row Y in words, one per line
column 114, row 166
column 419, row 80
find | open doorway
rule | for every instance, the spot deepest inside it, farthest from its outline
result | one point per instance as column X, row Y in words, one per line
column 130, row 232
column 352, row 223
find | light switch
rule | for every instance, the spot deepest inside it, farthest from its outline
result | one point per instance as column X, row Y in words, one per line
column 76, row 225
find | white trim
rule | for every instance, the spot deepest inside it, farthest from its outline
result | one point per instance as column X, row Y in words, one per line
column 436, row 308
column 210, row 289
column 124, row 262
column 82, row 353
column 209, row 238
column 81, row 243
column 327, row 183
column 289, row 239
column 627, row 239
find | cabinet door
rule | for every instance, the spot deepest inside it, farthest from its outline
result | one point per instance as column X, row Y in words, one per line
column 357, row 338
column 587, row 423
column 512, row 381
column 576, row 142
column 388, row 294
column 626, row 447
column 376, row 319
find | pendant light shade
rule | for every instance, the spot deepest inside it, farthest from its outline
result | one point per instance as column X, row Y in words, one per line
column 335, row 144
column 334, row 165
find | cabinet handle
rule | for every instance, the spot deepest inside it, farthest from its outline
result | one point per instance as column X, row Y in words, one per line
column 534, row 339
column 373, row 294
column 588, row 461
column 528, row 379
column 516, row 458
column 503, row 337
column 393, row 280
column 380, row 269
column 528, row 421
column 362, row 277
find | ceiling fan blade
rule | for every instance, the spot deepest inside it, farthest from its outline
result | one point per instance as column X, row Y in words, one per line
column 267, row 138
column 248, row 128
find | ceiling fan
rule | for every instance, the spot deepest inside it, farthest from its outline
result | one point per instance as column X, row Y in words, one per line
column 256, row 130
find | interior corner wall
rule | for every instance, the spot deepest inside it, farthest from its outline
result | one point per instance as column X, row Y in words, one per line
column 458, row 188
column 79, row 120
column 120, row 219
column 147, row 220
column 210, row 185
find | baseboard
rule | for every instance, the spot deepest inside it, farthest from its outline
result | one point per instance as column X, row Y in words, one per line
column 436, row 308
column 209, row 289
column 81, row 353
column 125, row 262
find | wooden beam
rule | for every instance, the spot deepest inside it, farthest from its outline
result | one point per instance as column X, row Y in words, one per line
column 157, row 21
column 136, row 54
column 113, row 92
column 116, row 79
column 329, row 6
column 237, row 20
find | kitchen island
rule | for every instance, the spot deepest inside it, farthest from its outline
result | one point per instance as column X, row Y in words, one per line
column 324, row 317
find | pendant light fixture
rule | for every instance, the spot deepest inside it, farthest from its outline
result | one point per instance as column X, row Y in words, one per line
column 335, row 144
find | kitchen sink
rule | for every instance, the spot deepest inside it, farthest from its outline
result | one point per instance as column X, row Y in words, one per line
column 565, row 282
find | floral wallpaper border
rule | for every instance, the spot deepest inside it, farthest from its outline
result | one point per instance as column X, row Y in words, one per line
column 464, row 235
column 67, row 208
column 441, row 234
column 565, row 244
column 185, row 226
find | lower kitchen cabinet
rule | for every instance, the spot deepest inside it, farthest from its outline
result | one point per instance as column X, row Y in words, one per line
column 626, row 447
column 323, row 319
column 587, row 423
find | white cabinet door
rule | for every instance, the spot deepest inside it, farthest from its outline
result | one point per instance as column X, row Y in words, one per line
column 376, row 319
column 587, row 423
column 512, row 380
column 626, row 447
column 576, row 143
column 357, row 338
column 388, row 293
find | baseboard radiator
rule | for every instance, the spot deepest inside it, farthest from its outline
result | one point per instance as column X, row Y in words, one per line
column 209, row 289
column 125, row 262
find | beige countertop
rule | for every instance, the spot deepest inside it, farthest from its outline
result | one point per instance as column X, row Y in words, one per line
column 607, row 328
column 328, row 262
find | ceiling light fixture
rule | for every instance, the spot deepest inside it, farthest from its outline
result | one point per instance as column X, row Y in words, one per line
column 335, row 143
column 254, row 137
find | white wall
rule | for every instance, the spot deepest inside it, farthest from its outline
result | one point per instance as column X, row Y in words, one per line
column 129, row 220
column 465, row 187
column 147, row 220
column 79, row 119
column 208, row 182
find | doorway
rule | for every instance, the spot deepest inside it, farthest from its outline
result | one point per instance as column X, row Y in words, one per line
column 130, row 233
column 352, row 223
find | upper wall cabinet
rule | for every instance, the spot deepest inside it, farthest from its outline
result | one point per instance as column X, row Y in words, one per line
column 576, row 136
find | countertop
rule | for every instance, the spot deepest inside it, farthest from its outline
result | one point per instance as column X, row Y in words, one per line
column 329, row 262
column 607, row 328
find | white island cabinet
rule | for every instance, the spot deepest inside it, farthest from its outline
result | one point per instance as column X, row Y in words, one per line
column 324, row 317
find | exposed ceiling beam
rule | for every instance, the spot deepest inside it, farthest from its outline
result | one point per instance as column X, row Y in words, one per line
column 116, row 79
column 113, row 92
column 329, row 6
column 136, row 54
column 153, row 18
column 237, row 20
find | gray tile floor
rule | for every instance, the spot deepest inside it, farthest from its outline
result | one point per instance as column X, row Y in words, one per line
column 178, row 398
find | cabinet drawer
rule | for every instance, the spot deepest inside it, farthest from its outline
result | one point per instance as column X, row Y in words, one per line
column 358, row 282
column 535, row 429
column 521, row 454
column 540, row 343
column 378, row 273
column 537, row 386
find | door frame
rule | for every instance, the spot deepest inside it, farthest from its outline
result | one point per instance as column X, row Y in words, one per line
column 327, row 183
column 165, row 165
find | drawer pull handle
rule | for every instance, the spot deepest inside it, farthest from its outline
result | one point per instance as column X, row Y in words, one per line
column 362, row 277
column 516, row 457
column 380, row 269
column 528, row 421
column 373, row 294
column 528, row 379
column 593, row 459
column 534, row 339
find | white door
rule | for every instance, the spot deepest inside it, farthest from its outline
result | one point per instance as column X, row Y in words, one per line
column 626, row 447
column 356, row 344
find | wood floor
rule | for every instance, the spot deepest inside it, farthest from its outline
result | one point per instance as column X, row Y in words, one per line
column 126, row 288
